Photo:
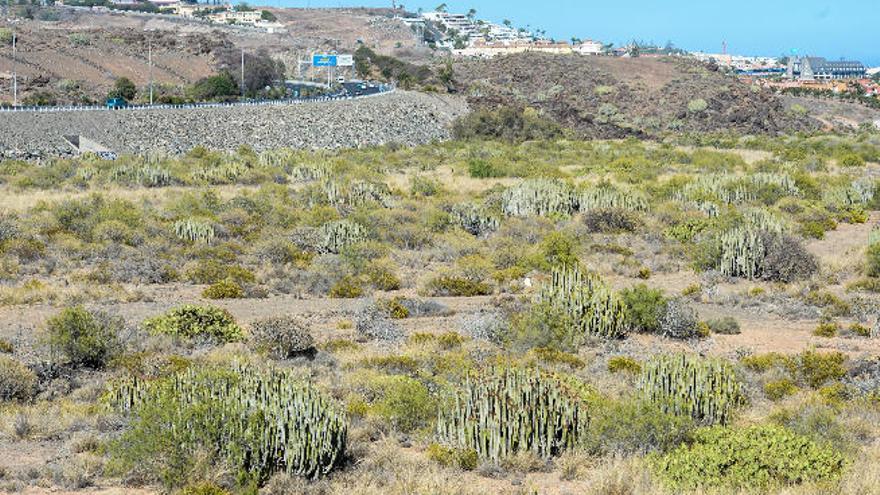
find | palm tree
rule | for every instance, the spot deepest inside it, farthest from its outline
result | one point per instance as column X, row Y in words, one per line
column 441, row 8
column 471, row 14
column 507, row 22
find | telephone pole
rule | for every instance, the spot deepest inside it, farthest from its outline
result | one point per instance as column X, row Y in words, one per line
column 150, row 59
column 242, row 73
column 14, row 72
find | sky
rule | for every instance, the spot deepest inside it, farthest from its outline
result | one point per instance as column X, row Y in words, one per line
column 832, row 29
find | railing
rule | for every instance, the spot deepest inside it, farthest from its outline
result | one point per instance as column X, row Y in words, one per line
column 383, row 89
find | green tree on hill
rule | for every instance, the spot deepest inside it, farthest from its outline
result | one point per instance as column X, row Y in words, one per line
column 123, row 88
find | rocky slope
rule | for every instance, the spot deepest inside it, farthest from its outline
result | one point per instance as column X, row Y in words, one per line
column 400, row 117
column 613, row 97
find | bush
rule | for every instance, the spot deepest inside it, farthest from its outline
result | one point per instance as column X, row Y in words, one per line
column 697, row 105
column 6, row 347
column 644, row 308
column 873, row 260
column 197, row 322
column 626, row 427
column 545, row 325
column 203, row 488
column 371, row 322
column 726, row 325
column 465, row 459
column 224, row 289
column 282, row 337
column 851, row 160
column 827, row 330
column 679, row 320
column 455, row 286
column 747, row 458
column 17, row 381
column 624, row 364
column 404, row 402
column 787, row 260
column 778, row 389
column 347, row 287
column 817, row 369
column 610, row 220
column 84, row 338
column 506, row 123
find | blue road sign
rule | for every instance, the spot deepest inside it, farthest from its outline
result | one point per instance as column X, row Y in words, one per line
column 323, row 60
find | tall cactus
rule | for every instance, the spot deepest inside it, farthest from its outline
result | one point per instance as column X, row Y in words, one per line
column 705, row 389
column 473, row 220
column 193, row 230
column 607, row 196
column 510, row 411
column 264, row 421
column 592, row 305
column 742, row 253
column 542, row 197
column 336, row 236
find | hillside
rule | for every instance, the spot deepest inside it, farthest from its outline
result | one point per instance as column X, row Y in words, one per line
column 78, row 54
column 618, row 97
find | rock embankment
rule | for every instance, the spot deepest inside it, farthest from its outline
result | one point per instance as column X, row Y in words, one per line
column 401, row 117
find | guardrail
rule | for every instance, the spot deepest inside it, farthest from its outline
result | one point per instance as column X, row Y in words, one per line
column 383, row 90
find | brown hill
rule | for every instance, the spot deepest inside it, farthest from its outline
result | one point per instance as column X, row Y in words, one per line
column 617, row 97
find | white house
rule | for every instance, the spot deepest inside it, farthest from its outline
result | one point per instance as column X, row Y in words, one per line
column 590, row 47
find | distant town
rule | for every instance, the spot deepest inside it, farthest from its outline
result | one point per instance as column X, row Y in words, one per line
column 465, row 35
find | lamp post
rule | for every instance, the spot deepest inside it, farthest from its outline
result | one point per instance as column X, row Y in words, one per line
column 14, row 72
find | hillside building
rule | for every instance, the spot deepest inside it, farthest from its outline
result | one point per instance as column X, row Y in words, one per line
column 820, row 69
column 590, row 47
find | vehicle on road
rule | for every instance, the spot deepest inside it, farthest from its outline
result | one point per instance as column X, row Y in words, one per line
column 116, row 103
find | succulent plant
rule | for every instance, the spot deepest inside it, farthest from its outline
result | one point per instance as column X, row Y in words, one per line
column 734, row 189
column 267, row 420
column 193, row 230
column 512, row 410
column 542, row 197
column 337, row 235
column 592, row 305
column 473, row 219
column 705, row 389
column 742, row 253
column 605, row 196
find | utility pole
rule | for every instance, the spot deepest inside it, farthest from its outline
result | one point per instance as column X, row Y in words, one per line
column 14, row 73
column 150, row 59
column 242, row 72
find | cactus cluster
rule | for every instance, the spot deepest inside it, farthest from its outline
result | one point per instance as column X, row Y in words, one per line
column 544, row 197
column 148, row 175
column 221, row 173
column 734, row 189
column 705, row 389
column 192, row 230
column 606, row 196
column 512, row 410
column 277, row 158
column 859, row 193
column 337, row 235
column 267, row 421
column 473, row 219
column 592, row 305
column 309, row 172
column 356, row 193
column 743, row 248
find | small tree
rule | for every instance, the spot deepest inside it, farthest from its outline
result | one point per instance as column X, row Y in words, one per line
column 84, row 338
column 123, row 88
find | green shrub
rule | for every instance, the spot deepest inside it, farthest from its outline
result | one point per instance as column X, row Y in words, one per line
column 17, row 381
column 253, row 421
column 624, row 364
column 455, row 286
column 6, row 347
column 404, row 402
column 610, row 220
column 224, row 289
column 858, row 330
column 542, row 325
column 778, row 389
column 481, row 169
column 829, row 329
column 726, row 325
column 550, row 355
column 873, row 260
column 450, row 340
column 747, row 458
column 203, row 488
column 194, row 322
column 465, row 459
column 697, row 105
column 210, row 271
column 763, row 362
column 817, row 369
column 347, row 287
column 282, row 337
column 82, row 337
column 626, row 427
column 509, row 411
column 705, row 389
column 851, row 160
column 644, row 307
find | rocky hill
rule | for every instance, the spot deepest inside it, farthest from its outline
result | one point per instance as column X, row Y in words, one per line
column 618, row 97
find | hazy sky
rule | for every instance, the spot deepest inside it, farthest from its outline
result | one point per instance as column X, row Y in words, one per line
column 833, row 29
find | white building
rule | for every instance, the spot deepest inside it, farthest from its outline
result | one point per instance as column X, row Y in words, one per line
column 236, row 17
column 590, row 47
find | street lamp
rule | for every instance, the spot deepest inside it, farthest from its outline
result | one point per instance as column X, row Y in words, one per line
column 150, row 60
column 14, row 72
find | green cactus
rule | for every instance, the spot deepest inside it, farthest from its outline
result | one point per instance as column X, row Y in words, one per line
column 705, row 389
column 544, row 197
column 592, row 305
column 309, row 172
column 259, row 421
column 473, row 219
column 192, row 230
column 336, row 236
column 742, row 253
column 510, row 411
column 607, row 196
column 734, row 189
